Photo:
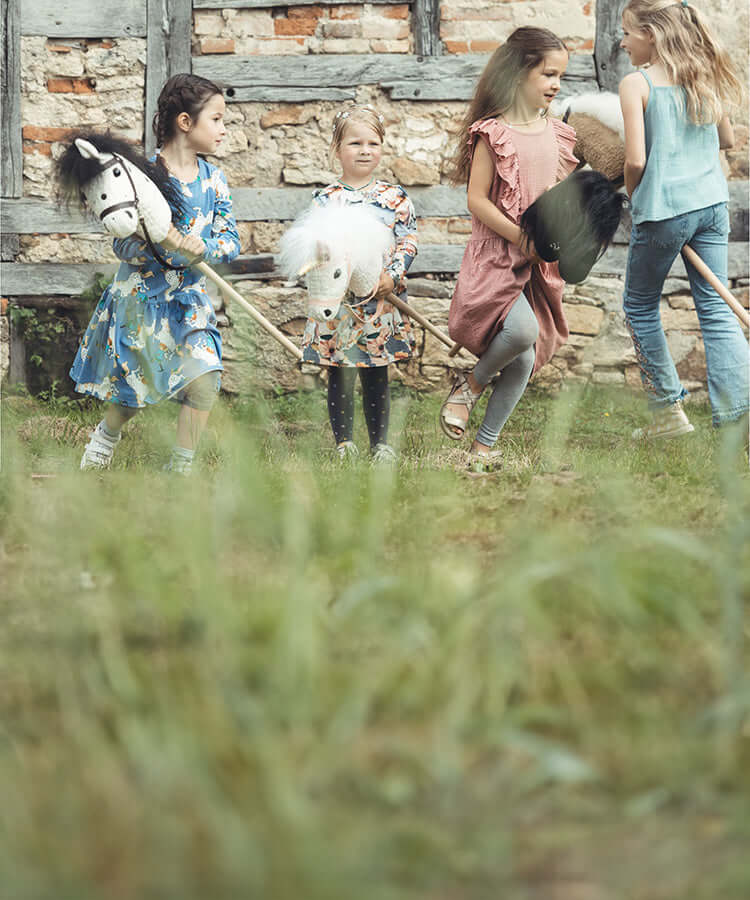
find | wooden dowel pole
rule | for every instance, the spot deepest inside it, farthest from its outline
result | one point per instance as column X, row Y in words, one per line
column 692, row 257
column 418, row 317
column 259, row 318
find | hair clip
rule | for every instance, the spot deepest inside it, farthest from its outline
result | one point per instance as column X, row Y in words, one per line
column 345, row 113
column 684, row 3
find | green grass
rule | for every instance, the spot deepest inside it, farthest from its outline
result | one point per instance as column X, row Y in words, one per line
column 286, row 679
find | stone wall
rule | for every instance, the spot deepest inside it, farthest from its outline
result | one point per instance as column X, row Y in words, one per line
column 75, row 83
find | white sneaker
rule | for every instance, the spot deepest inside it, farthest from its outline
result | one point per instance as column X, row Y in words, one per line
column 347, row 451
column 99, row 450
column 384, row 455
column 667, row 423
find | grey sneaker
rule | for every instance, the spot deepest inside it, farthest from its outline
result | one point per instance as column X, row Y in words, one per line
column 667, row 423
column 100, row 449
column 347, row 451
column 384, row 455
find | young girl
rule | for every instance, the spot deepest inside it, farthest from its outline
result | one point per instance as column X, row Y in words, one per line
column 507, row 306
column 675, row 123
column 154, row 334
column 369, row 333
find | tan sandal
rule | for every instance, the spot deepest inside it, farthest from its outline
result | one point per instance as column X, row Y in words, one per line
column 489, row 461
column 460, row 394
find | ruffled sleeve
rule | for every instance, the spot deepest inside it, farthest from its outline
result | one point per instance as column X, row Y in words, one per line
column 566, row 140
column 506, row 163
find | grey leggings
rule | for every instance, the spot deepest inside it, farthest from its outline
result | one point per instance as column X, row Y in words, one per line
column 511, row 352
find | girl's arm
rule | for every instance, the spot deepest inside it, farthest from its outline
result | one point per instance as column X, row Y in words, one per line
column 133, row 250
column 632, row 98
column 726, row 134
column 478, row 198
column 405, row 232
column 224, row 243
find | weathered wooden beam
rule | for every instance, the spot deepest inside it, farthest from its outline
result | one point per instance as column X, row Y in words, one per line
column 84, row 18
column 11, row 147
column 169, row 26
column 266, row 4
column 30, row 216
column 611, row 63
column 9, row 247
column 463, row 88
column 277, row 94
column 34, row 279
column 435, row 76
column 425, row 18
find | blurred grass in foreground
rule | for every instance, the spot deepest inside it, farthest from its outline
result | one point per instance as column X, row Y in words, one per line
column 286, row 679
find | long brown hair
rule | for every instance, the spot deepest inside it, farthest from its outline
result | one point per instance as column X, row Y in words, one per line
column 496, row 90
column 693, row 58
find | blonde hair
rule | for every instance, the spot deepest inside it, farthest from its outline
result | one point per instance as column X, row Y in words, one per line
column 496, row 90
column 692, row 57
column 364, row 114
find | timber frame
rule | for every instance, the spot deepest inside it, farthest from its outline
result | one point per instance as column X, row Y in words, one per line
column 167, row 27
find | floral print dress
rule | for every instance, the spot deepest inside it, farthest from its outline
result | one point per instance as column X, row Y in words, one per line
column 154, row 329
column 369, row 332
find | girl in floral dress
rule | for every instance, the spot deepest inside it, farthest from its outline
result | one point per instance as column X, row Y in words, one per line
column 369, row 333
column 507, row 306
column 153, row 334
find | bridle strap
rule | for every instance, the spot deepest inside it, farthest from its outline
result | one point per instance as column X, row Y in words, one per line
column 129, row 204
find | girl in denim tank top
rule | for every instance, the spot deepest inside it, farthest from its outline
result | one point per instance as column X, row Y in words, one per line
column 675, row 123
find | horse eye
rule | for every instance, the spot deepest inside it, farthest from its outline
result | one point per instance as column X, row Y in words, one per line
column 104, row 196
column 116, row 172
column 337, row 273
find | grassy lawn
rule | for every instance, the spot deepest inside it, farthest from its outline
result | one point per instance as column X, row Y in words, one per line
column 288, row 680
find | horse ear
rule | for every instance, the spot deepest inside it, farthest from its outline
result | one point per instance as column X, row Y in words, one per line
column 87, row 149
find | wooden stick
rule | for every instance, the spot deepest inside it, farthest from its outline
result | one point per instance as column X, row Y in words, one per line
column 425, row 322
column 692, row 257
column 260, row 319
column 418, row 317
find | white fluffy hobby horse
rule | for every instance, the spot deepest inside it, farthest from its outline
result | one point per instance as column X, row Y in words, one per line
column 130, row 194
column 336, row 249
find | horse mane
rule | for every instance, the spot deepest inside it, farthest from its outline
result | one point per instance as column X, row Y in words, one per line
column 74, row 170
column 604, row 106
column 574, row 222
column 354, row 228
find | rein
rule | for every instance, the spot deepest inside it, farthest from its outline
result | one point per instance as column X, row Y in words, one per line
column 133, row 204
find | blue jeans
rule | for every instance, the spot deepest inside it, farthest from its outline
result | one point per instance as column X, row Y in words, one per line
column 653, row 248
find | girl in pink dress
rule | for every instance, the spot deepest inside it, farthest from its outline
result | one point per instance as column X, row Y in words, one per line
column 507, row 306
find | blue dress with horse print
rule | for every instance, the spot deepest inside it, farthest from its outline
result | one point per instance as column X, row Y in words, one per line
column 154, row 329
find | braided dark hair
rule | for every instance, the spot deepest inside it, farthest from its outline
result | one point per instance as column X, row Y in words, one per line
column 182, row 93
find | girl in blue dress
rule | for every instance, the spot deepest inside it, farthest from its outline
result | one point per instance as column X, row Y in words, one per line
column 153, row 333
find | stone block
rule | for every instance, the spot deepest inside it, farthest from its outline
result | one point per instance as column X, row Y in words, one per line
column 692, row 366
column 608, row 376
column 428, row 287
column 679, row 319
column 410, row 172
column 584, row 319
column 681, row 301
column 339, row 29
column 217, row 45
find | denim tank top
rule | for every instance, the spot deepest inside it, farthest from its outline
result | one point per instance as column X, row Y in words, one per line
column 683, row 171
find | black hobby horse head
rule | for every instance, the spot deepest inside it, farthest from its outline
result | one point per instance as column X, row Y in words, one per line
column 574, row 222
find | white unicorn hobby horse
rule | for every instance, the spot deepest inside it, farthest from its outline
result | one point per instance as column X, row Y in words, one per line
column 337, row 249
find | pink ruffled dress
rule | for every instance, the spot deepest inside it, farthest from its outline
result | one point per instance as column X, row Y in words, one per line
column 493, row 271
